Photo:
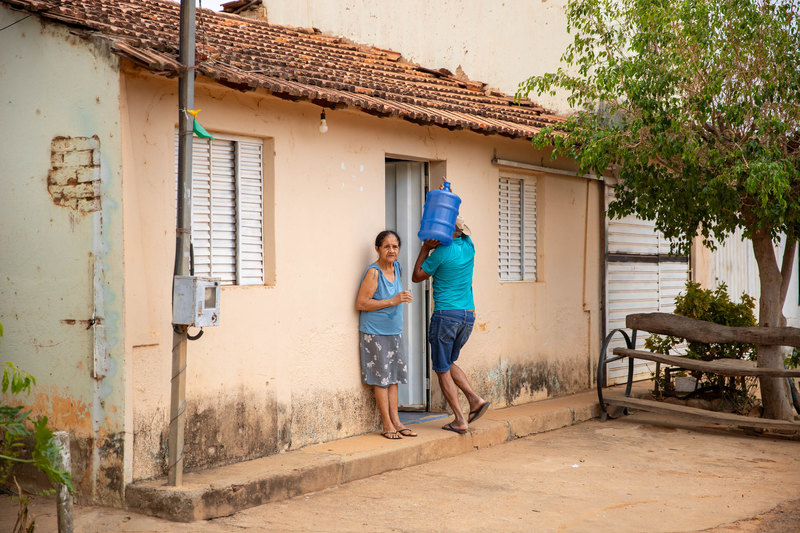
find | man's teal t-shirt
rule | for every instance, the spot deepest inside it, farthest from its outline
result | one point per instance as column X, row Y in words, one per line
column 451, row 269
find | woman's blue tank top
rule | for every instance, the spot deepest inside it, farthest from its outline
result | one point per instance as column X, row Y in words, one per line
column 389, row 320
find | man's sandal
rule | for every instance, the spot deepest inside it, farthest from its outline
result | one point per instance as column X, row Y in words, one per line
column 477, row 413
column 391, row 435
column 406, row 432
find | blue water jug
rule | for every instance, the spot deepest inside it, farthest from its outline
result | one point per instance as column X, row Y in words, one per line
column 439, row 215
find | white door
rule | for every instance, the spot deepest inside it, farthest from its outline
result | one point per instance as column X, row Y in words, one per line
column 405, row 197
column 641, row 277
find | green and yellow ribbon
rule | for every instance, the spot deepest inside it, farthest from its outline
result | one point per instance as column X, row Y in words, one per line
column 198, row 130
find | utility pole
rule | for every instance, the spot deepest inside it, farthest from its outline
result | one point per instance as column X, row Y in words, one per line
column 177, row 420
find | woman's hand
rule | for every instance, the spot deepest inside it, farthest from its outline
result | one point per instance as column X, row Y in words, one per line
column 365, row 300
column 402, row 297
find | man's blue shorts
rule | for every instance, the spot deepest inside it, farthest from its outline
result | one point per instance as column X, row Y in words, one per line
column 448, row 333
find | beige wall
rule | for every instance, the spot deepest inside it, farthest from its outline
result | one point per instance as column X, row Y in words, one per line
column 61, row 260
column 499, row 43
column 282, row 370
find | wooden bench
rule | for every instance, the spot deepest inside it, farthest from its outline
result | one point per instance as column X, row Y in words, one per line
column 698, row 331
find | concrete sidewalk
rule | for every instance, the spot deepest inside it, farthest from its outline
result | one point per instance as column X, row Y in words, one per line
column 225, row 490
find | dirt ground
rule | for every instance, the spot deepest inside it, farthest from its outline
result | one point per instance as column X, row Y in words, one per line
column 638, row 473
column 785, row 518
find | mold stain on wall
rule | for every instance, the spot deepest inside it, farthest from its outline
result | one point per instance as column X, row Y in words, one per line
column 70, row 414
column 241, row 427
column 218, row 431
column 150, row 444
column 110, row 477
column 105, row 485
column 323, row 416
column 517, row 383
column 231, row 430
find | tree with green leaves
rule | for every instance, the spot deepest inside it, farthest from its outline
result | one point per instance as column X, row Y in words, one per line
column 694, row 107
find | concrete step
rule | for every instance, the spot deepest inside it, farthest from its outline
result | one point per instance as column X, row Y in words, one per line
column 225, row 490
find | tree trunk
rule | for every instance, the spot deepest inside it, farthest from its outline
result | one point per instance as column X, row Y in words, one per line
column 774, row 391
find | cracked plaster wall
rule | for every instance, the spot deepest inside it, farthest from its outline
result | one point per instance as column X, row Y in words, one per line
column 61, row 283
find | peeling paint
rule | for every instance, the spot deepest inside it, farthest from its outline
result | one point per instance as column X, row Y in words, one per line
column 106, row 483
column 531, row 378
column 231, row 428
column 80, row 452
column 86, row 324
column 63, row 411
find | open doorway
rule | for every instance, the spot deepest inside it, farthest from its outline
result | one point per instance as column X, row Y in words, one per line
column 405, row 197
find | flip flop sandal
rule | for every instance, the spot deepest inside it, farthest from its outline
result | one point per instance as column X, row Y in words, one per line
column 391, row 435
column 477, row 413
column 449, row 427
column 406, row 432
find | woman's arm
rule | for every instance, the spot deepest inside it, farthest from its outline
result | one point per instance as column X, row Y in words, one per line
column 365, row 300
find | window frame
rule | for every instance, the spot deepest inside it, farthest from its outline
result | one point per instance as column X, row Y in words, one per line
column 520, row 215
column 203, row 156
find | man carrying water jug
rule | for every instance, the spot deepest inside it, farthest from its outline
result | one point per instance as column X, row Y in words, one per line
column 453, row 317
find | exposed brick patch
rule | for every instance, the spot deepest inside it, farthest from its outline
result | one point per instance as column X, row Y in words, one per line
column 73, row 180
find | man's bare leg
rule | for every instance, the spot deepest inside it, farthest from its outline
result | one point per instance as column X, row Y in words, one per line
column 460, row 379
column 450, row 390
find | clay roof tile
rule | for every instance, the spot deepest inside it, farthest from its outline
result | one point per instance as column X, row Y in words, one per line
column 295, row 64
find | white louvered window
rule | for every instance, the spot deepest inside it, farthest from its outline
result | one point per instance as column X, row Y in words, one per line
column 227, row 210
column 516, row 237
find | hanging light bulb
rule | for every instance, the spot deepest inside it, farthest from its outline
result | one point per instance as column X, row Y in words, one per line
column 323, row 124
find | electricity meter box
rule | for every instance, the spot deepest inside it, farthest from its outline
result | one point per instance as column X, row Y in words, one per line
column 195, row 301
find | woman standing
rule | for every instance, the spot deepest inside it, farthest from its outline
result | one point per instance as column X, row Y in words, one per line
column 383, row 358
